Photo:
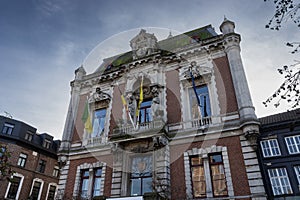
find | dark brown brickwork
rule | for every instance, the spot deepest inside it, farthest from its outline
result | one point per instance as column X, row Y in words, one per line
column 225, row 87
column 29, row 171
column 173, row 97
column 237, row 166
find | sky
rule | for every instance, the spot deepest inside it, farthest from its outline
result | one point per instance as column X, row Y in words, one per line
column 42, row 43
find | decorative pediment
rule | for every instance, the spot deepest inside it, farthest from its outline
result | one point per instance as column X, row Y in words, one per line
column 99, row 96
column 196, row 70
column 143, row 44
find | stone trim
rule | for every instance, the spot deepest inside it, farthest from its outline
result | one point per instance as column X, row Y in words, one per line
column 41, row 188
column 91, row 167
column 19, row 188
column 252, row 169
column 49, row 185
column 204, row 153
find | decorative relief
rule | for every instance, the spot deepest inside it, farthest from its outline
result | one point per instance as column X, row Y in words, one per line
column 99, row 96
column 143, row 44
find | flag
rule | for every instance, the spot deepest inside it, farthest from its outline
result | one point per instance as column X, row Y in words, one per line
column 125, row 105
column 86, row 118
column 195, row 91
column 141, row 97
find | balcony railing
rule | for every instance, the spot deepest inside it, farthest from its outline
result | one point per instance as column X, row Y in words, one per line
column 191, row 124
column 143, row 127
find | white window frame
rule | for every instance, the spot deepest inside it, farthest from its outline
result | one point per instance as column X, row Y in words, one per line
column 20, row 185
column 9, row 128
column 24, row 157
column 51, row 184
column 55, row 172
column 282, row 179
column 41, row 188
column 295, row 147
column 272, row 150
column 297, row 172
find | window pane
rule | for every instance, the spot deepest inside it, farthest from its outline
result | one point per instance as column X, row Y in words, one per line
column 270, row 148
column 198, row 179
column 35, row 190
column 14, row 186
column 203, row 96
column 147, row 185
column 297, row 172
column 99, row 122
column 136, row 187
column 97, row 187
column 51, row 193
column 280, row 181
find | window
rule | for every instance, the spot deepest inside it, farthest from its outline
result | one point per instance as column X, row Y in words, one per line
column 198, row 177
column 51, row 192
column 14, row 187
column 297, row 171
column 203, row 96
column 55, row 171
column 293, row 144
column 29, row 136
column 141, row 175
column 270, row 148
column 99, row 122
column 8, row 128
column 217, row 176
column 47, row 144
column 145, row 112
column 279, row 181
column 22, row 160
column 41, row 166
column 85, row 175
column 35, row 193
column 97, row 182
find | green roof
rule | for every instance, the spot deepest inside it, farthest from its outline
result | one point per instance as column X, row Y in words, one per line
column 167, row 45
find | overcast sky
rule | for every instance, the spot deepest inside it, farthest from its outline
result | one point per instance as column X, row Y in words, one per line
column 43, row 42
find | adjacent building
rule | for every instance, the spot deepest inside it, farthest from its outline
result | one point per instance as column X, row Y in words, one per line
column 279, row 152
column 33, row 159
column 170, row 119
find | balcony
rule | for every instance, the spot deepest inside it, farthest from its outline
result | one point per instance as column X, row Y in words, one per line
column 195, row 124
column 144, row 130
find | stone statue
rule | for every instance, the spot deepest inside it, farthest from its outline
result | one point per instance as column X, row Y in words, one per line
column 156, row 110
column 143, row 44
column 131, row 104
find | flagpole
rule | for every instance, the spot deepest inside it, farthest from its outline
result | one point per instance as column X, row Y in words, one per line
column 140, row 102
column 125, row 105
column 195, row 91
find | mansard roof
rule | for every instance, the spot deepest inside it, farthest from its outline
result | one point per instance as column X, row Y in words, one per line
column 166, row 46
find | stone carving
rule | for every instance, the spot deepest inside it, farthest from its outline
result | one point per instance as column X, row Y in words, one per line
column 143, row 44
column 99, row 95
column 131, row 104
column 156, row 110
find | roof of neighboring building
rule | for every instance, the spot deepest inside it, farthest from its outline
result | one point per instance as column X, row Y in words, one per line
column 281, row 117
column 166, row 46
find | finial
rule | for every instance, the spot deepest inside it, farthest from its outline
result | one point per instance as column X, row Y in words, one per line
column 170, row 34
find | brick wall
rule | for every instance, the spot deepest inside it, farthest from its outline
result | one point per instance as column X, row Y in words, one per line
column 29, row 171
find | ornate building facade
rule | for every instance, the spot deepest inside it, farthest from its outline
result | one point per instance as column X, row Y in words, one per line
column 170, row 119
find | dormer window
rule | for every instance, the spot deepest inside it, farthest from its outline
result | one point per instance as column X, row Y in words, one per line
column 29, row 136
column 47, row 144
column 8, row 128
